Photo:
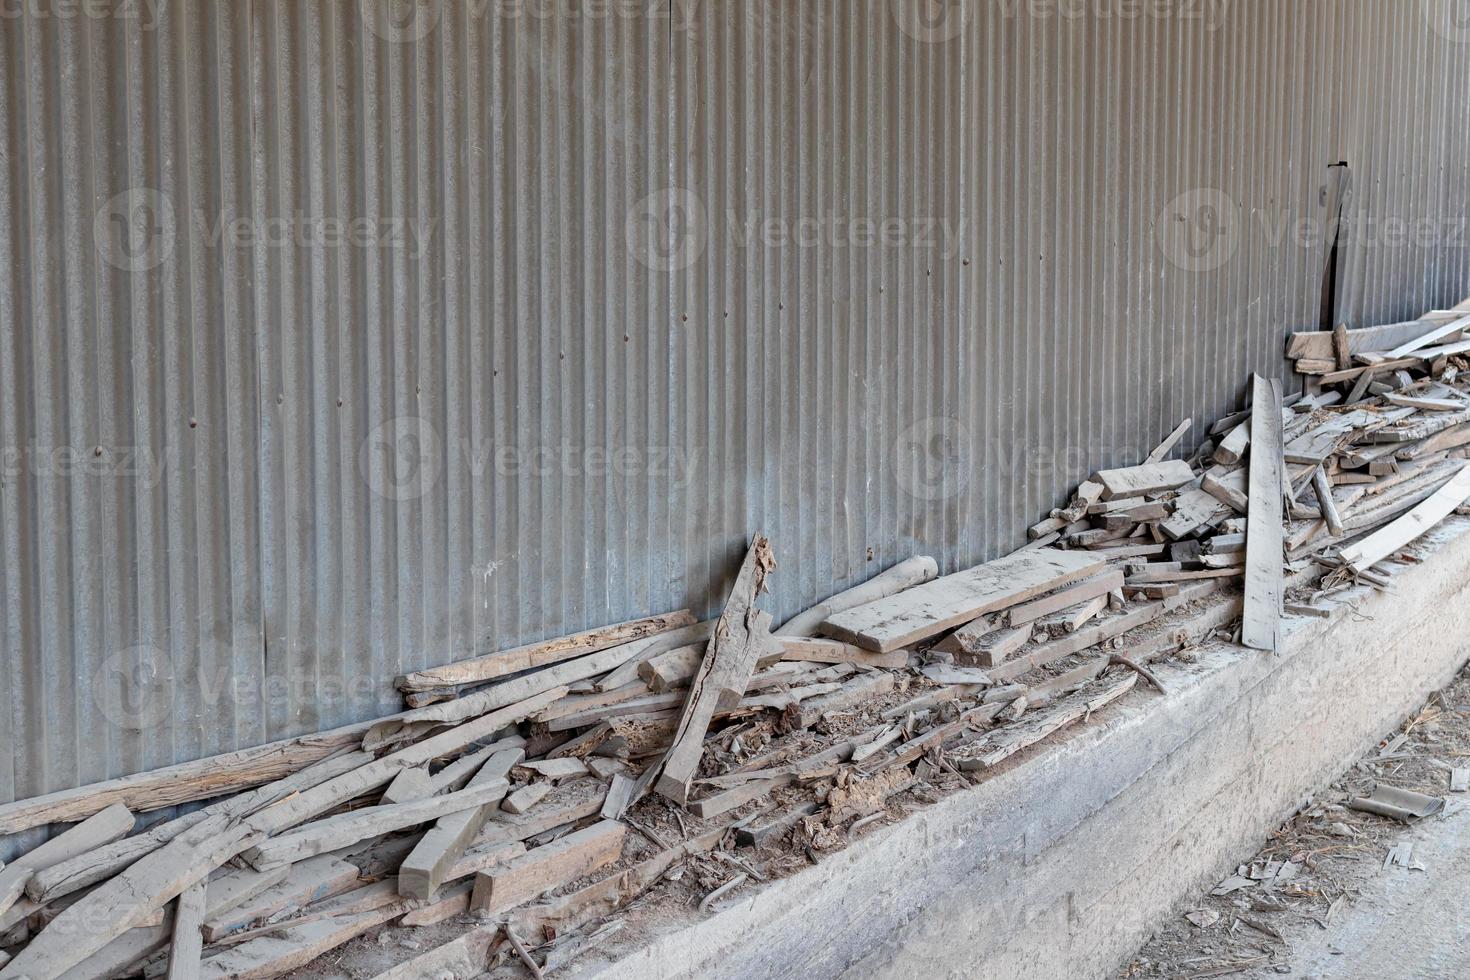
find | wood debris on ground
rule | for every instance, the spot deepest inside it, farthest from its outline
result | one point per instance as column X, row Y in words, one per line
column 548, row 787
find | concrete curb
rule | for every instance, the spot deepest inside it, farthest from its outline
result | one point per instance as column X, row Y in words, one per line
column 1061, row 866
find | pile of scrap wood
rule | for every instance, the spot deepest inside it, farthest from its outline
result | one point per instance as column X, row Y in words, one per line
column 540, row 790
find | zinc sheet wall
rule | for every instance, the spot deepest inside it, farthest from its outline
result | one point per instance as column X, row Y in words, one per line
column 340, row 338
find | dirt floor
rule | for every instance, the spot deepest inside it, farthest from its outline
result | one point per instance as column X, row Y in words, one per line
column 1323, row 899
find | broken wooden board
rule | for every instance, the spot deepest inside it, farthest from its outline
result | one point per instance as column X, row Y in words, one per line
column 1167, row 446
column 1264, row 591
column 742, row 636
column 302, row 884
column 1362, row 340
column 1031, row 729
column 1386, row 541
column 543, row 868
column 1193, row 510
column 96, row 831
column 837, row 652
column 188, row 941
column 1136, row 481
column 426, row 866
column 286, row 951
column 1029, row 612
column 543, row 653
column 926, row 610
column 995, row 648
column 640, row 650
column 905, row 575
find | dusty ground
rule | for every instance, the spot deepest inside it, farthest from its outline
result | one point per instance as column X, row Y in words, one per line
column 1338, row 912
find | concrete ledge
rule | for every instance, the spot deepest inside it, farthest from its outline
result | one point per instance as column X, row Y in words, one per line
column 1061, row 866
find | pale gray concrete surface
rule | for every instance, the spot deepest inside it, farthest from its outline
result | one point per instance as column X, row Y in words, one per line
column 1062, row 866
column 1406, row 924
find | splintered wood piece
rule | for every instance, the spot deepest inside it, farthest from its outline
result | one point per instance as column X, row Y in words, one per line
column 543, row 868
column 996, row 648
column 741, row 638
column 97, row 830
column 837, row 652
column 1135, row 481
column 926, row 610
column 1229, row 489
column 673, row 669
column 188, row 940
column 1193, row 510
column 1387, row 540
column 1264, row 590
column 1089, row 589
column 427, row 865
column 543, row 653
column 288, row 950
column 1006, row 742
column 905, row 575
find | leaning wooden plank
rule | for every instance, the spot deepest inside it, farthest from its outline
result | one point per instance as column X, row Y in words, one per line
column 304, row 883
column 543, row 653
column 1453, row 328
column 1135, row 481
column 641, row 650
column 741, row 638
column 183, row 783
column 543, row 868
column 188, row 939
column 905, row 575
column 127, row 900
column 1264, row 553
column 97, row 830
column 1325, row 502
column 104, row 862
column 837, row 652
column 1319, row 343
column 926, row 610
column 357, row 825
column 1089, row 589
column 426, row 866
column 1167, row 446
column 285, row 952
column 1381, row 544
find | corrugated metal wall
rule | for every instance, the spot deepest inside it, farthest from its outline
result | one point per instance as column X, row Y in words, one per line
column 340, row 338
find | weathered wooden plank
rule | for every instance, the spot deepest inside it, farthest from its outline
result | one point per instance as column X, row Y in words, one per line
column 543, row 868
column 1451, row 329
column 1193, row 509
column 293, row 947
column 837, row 652
column 1091, row 588
column 357, row 825
column 1135, row 481
column 995, row 648
column 1231, row 449
column 1167, row 446
column 1006, row 742
column 1361, row 340
column 97, row 830
column 641, row 650
column 1264, row 538
column 905, row 575
column 932, row 608
column 302, row 884
column 424, row 870
column 188, row 939
column 1381, row 544
column 673, row 669
column 741, row 638
column 409, row 785
column 542, row 654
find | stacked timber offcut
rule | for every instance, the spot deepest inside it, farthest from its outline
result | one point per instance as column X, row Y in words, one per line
column 534, row 793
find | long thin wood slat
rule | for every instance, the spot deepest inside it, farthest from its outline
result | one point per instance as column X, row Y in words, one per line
column 188, row 937
column 932, row 608
column 1381, row 544
column 1424, row 340
column 1264, row 556
column 543, row 653
column 1164, row 448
